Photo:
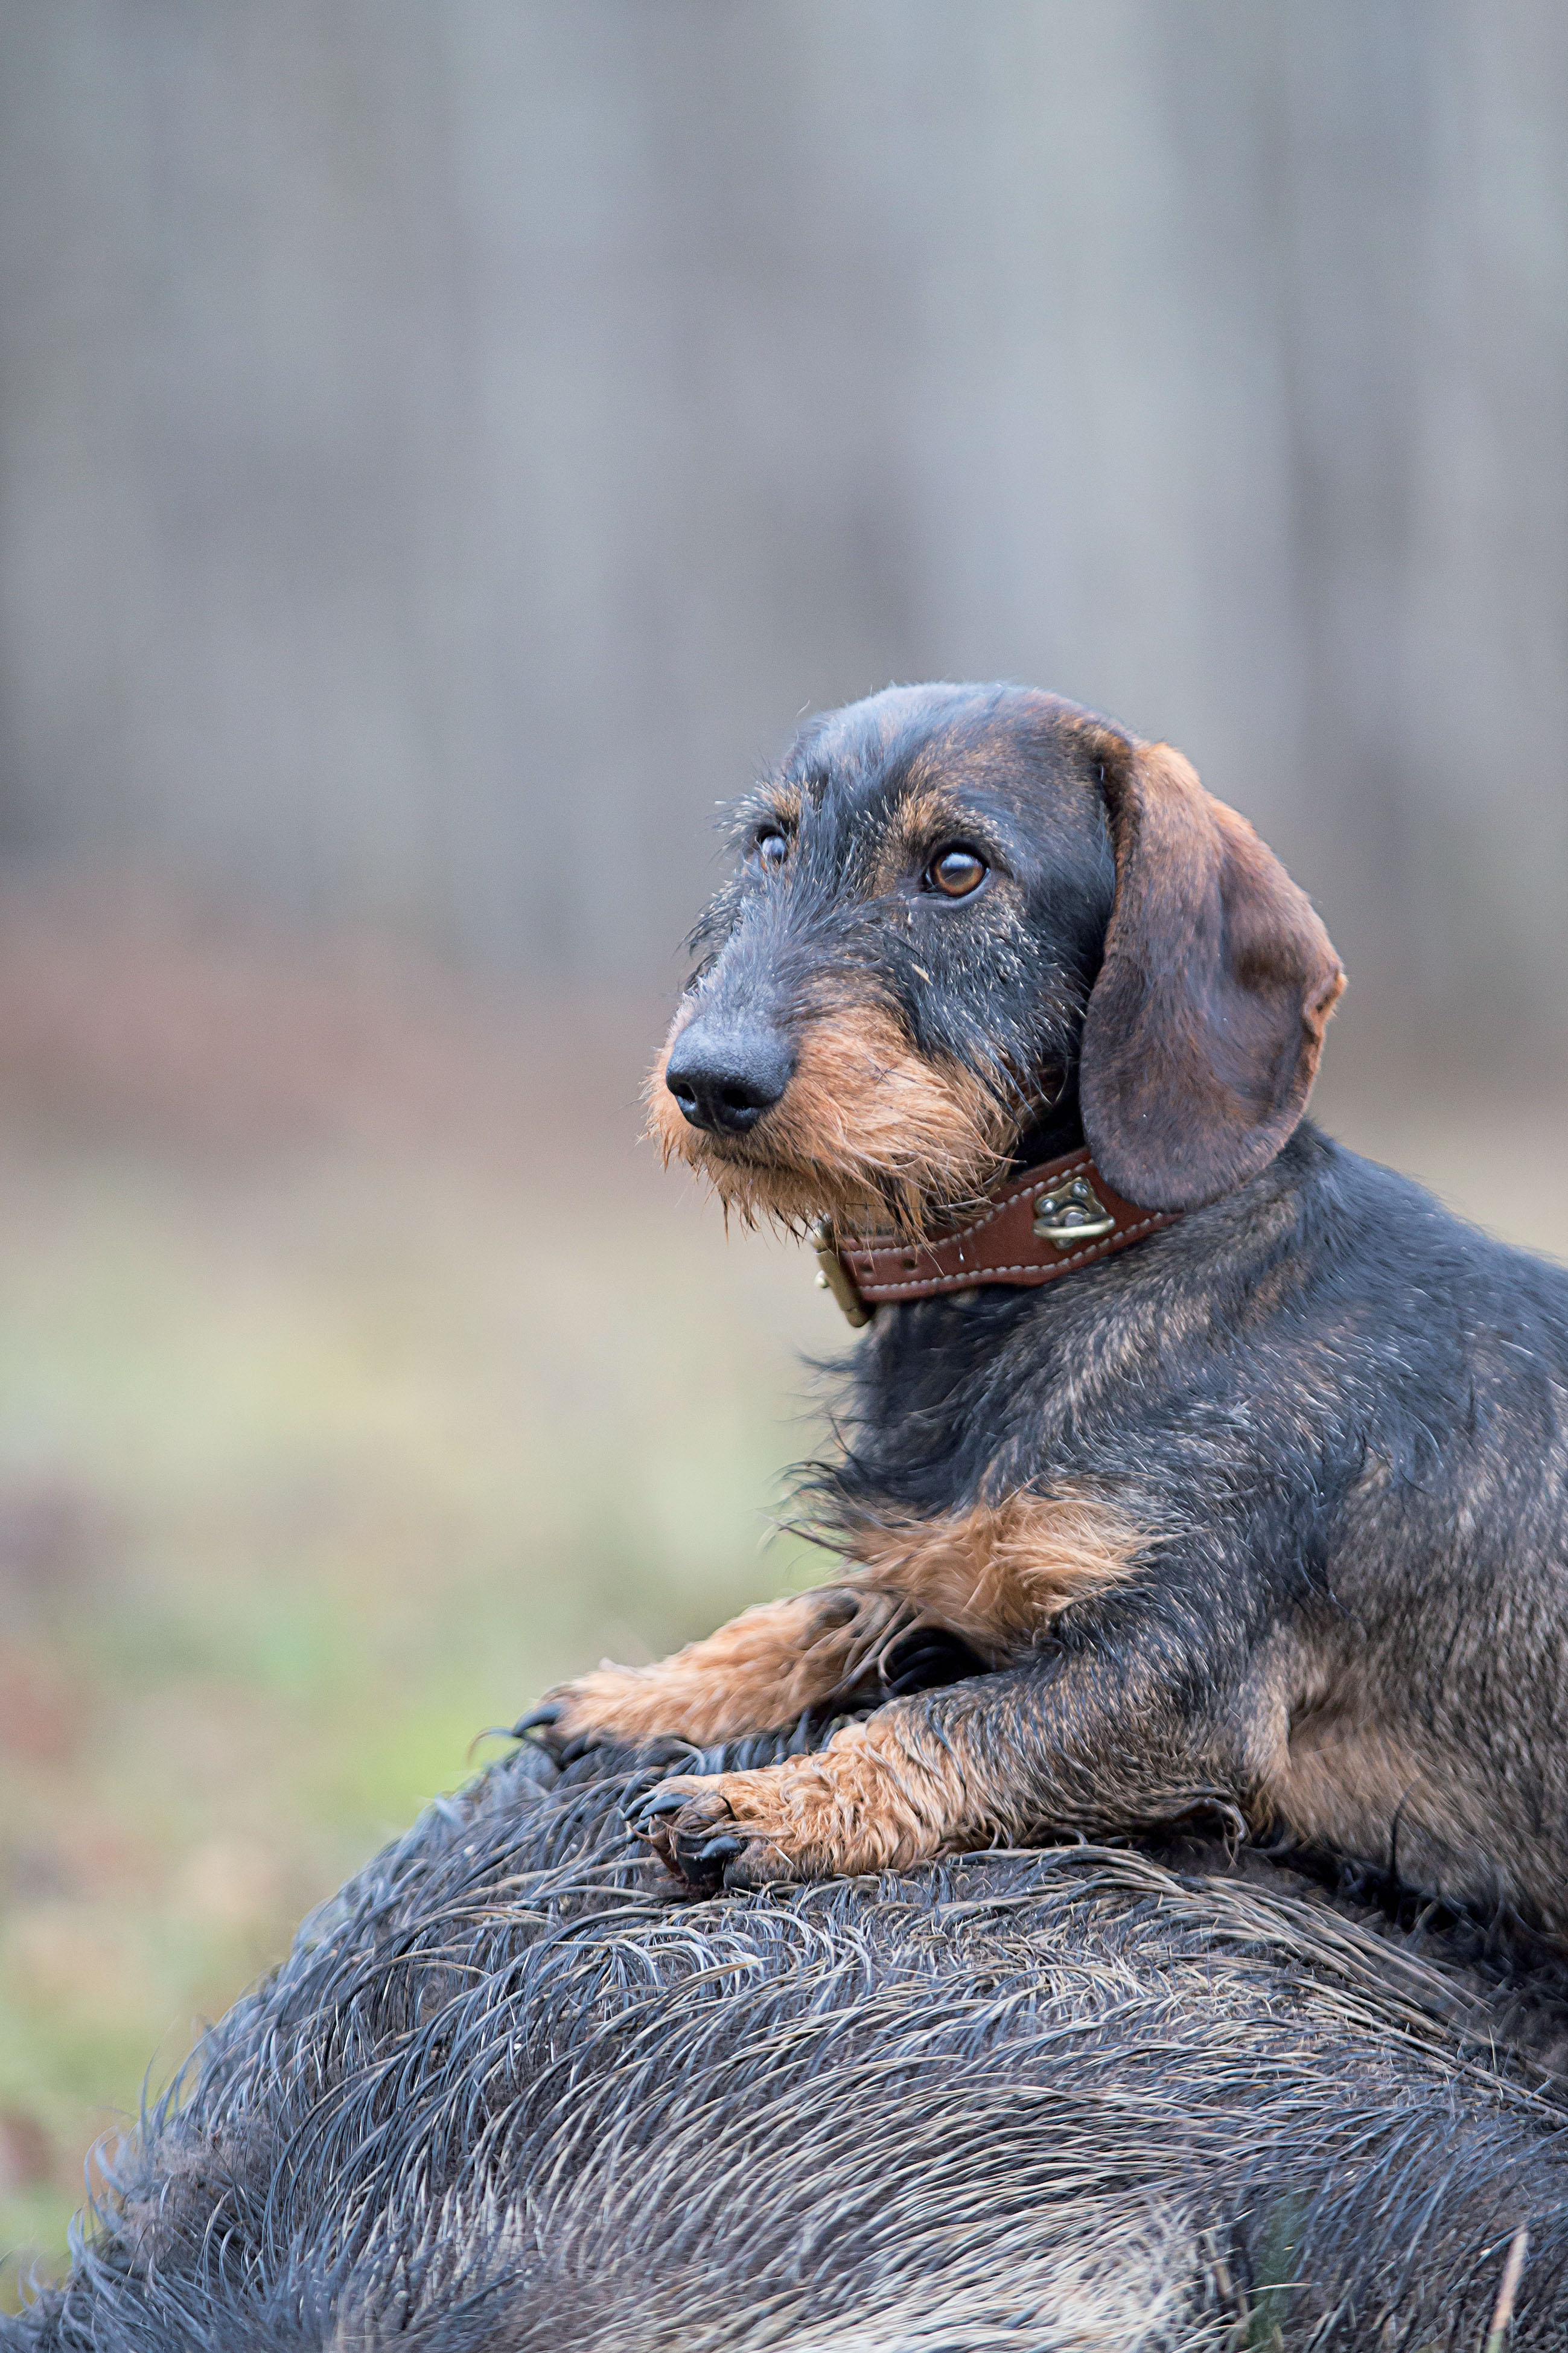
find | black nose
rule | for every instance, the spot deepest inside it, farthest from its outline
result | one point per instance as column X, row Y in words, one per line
column 727, row 1077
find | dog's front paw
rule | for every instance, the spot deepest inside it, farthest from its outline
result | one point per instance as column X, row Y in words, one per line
column 692, row 1827
column 866, row 1802
column 611, row 1703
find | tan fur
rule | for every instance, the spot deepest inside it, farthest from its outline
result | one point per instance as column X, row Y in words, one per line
column 758, row 1672
column 890, row 1792
column 999, row 1574
column 881, row 1796
column 995, row 1575
column 868, row 1130
column 1343, row 1780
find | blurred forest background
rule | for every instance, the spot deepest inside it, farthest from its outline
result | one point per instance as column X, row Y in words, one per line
column 443, row 449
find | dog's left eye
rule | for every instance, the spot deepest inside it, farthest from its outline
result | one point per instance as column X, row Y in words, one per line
column 955, row 873
column 771, row 847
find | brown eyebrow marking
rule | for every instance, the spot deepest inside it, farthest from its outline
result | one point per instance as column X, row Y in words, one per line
column 925, row 809
column 770, row 803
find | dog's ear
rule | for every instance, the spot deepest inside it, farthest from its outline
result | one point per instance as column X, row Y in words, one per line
column 1203, row 1032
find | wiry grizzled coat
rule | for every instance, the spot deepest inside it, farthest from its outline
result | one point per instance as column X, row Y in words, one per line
column 505, row 2098
column 1268, row 1512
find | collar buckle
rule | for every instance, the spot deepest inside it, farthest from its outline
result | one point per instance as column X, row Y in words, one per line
column 833, row 1276
column 1072, row 1213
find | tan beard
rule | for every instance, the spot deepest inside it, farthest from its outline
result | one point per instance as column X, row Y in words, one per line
column 868, row 1133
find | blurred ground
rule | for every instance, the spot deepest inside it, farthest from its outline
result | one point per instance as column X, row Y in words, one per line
column 360, row 1373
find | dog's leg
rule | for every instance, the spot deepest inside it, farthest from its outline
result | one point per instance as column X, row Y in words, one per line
column 760, row 1671
column 1089, row 1744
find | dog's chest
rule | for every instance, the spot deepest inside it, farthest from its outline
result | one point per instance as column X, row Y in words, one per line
column 951, row 1403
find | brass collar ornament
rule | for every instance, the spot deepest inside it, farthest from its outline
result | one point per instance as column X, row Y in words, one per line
column 1035, row 1227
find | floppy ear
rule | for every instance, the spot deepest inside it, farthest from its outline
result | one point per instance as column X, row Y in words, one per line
column 1203, row 1032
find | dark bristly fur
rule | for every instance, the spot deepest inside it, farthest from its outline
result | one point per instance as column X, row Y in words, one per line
column 1313, row 1436
column 505, row 2098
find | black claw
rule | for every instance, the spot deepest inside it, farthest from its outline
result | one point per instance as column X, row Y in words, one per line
column 720, row 1849
column 663, row 1801
column 700, row 1868
column 563, row 1747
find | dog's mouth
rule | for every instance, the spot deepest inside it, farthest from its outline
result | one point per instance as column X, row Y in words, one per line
column 863, row 1129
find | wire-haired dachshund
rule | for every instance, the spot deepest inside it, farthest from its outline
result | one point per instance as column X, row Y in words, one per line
column 1222, row 1468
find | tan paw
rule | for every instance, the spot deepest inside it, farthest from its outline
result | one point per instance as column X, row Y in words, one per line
column 611, row 1703
column 860, row 1804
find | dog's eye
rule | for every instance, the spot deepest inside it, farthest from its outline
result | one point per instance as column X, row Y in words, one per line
column 955, row 873
column 771, row 845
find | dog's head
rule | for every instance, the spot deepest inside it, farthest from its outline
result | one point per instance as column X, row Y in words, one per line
column 955, row 904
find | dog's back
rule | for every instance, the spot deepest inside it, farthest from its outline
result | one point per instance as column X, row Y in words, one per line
column 502, row 2096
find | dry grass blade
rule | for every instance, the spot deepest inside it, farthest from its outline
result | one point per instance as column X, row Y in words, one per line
column 1508, row 2288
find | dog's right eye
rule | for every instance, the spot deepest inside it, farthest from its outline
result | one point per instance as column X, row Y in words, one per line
column 771, row 845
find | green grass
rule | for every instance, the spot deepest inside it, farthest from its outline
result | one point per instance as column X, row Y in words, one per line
column 308, row 1471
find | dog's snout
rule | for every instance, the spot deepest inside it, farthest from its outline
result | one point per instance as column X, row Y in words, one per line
column 726, row 1078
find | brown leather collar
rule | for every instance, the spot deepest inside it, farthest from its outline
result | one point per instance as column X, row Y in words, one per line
column 1046, row 1222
